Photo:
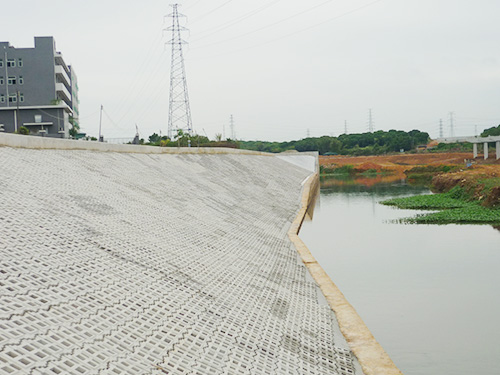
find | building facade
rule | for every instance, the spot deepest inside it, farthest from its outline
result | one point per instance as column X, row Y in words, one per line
column 37, row 90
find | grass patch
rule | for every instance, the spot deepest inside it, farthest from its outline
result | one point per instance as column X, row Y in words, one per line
column 369, row 172
column 342, row 170
column 350, row 170
column 424, row 174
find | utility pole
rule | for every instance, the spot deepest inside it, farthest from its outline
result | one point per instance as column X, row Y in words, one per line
column 179, row 112
column 370, row 121
column 441, row 128
column 100, row 123
column 452, row 132
column 17, row 110
column 223, row 132
column 231, row 126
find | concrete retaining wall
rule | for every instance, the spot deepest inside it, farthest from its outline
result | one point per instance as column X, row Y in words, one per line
column 42, row 143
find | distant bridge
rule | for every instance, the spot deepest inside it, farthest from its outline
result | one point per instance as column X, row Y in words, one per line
column 475, row 141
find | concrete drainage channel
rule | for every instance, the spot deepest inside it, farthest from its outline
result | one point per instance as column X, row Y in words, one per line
column 140, row 260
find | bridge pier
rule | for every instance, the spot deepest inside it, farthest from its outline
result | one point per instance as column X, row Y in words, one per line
column 475, row 142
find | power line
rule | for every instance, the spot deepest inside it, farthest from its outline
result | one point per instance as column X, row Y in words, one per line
column 210, row 12
column 192, row 5
column 293, row 33
column 235, row 21
column 270, row 25
column 135, row 83
column 112, row 121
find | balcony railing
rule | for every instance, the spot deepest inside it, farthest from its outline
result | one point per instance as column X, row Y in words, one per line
column 63, row 76
column 63, row 93
column 60, row 61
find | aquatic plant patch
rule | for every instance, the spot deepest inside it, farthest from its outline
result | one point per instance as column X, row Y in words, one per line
column 427, row 202
column 454, row 208
column 474, row 214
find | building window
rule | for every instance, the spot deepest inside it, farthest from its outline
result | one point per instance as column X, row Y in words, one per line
column 12, row 80
column 12, row 98
column 1, row 63
column 21, row 98
column 38, row 119
column 11, row 63
column 2, row 98
column 21, row 80
column 1, row 81
column 20, row 63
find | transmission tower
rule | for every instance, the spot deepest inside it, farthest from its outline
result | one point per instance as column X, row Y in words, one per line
column 179, row 112
column 345, row 126
column 370, row 121
column 452, row 132
column 231, row 126
column 441, row 128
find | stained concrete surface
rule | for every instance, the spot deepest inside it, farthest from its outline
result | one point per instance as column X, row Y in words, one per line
column 118, row 263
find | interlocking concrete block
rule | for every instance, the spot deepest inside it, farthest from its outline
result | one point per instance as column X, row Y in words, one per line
column 151, row 263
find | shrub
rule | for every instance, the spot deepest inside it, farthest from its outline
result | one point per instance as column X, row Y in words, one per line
column 23, row 130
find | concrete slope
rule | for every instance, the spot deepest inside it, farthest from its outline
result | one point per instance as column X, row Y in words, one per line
column 118, row 263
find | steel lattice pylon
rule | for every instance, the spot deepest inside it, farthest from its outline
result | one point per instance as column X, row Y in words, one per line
column 179, row 113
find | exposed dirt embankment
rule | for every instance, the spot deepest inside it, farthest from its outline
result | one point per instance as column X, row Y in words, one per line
column 397, row 163
column 481, row 185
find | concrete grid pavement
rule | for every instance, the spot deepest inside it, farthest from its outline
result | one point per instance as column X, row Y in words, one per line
column 116, row 263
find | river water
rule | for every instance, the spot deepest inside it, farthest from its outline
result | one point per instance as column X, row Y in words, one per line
column 428, row 293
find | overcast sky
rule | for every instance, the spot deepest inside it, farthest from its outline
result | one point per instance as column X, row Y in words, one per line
column 283, row 68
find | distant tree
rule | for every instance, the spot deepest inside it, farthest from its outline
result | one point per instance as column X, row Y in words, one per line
column 154, row 138
column 493, row 131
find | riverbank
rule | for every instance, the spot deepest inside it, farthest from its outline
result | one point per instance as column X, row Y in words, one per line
column 467, row 196
column 397, row 164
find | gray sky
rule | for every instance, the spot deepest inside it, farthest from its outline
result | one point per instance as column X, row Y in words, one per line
column 281, row 67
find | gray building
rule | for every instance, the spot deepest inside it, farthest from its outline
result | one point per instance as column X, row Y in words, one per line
column 37, row 89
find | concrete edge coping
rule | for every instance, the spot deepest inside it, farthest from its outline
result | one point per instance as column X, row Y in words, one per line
column 46, row 143
column 371, row 356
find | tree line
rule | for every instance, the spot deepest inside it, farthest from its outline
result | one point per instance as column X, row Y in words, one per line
column 376, row 143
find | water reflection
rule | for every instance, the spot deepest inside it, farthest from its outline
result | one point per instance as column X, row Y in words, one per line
column 428, row 293
column 359, row 180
